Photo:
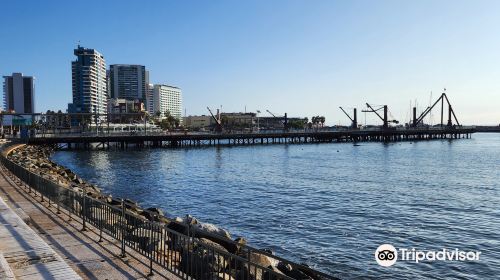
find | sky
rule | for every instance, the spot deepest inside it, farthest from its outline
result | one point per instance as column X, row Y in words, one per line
column 305, row 58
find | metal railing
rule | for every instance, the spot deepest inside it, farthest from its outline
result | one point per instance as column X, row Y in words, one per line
column 182, row 249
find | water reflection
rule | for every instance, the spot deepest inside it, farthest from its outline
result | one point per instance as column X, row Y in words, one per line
column 314, row 204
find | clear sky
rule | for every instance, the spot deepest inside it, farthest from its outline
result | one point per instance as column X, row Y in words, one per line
column 301, row 57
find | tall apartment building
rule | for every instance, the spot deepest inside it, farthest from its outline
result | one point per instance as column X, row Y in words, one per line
column 89, row 82
column 19, row 93
column 150, row 100
column 128, row 81
column 167, row 98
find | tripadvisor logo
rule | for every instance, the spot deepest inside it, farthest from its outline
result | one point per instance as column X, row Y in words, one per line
column 386, row 255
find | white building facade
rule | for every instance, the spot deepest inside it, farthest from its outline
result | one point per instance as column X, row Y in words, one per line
column 89, row 82
column 167, row 99
column 150, row 100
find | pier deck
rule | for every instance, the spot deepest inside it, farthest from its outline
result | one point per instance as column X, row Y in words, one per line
column 212, row 139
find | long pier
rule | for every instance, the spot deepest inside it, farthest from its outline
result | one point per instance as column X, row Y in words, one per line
column 228, row 139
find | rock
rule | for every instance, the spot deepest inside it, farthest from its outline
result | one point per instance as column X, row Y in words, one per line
column 273, row 274
column 141, row 236
column 286, row 268
column 260, row 259
column 240, row 242
column 155, row 210
column 190, row 220
column 213, row 229
column 298, row 274
column 152, row 214
column 209, row 242
column 78, row 180
column 223, row 276
column 205, row 259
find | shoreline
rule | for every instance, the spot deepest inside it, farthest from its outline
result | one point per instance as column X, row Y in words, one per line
column 36, row 159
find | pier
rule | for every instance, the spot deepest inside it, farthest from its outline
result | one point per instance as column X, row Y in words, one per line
column 122, row 141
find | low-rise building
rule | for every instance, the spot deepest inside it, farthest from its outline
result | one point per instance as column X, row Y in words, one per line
column 238, row 120
column 198, row 122
column 117, row 107
column 53, row 120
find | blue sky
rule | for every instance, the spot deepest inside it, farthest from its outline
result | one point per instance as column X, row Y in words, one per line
column 301, row 57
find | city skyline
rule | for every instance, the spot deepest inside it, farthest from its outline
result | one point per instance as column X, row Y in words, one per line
column 306, row 60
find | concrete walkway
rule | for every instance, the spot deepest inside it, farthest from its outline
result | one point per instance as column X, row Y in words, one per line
column 81, row 251
column 24, row 254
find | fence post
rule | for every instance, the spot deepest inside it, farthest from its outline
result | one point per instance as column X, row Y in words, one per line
column 248, row 263
column 58, row 201
column 40, row 192
column 152, row 247
column 48, row 194
column 190, row 257
column 29, row 185
column 84, row 210
column 101, row 218
column 123, row 255
column 36, row 183
column 72, row 199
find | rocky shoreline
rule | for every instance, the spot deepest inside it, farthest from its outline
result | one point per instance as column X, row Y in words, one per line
column 36, row 159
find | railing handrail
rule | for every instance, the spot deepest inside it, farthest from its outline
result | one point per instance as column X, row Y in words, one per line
column 80, row 197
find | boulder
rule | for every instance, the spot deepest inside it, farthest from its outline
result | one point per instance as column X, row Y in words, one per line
column 208, row 263
column 152, row 214
column 213, row 229
column 78, row 180
column 190, row 220
column 260, row 259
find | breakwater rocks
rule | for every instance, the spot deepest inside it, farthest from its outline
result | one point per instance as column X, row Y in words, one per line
column 201, row 250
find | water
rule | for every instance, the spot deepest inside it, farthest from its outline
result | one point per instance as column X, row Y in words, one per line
column 329, row 205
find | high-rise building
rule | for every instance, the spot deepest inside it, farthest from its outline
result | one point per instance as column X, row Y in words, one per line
column 150, row 100
column 167, row 99
column 128, row 81
column 89, row 82
column 19, row 93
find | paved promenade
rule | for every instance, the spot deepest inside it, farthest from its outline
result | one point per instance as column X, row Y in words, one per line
column 80, row 250
column 23, row 254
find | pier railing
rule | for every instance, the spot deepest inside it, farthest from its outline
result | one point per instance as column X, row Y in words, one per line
column 182, row 249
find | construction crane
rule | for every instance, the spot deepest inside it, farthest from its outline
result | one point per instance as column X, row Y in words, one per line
column 285, row 121
column 442, row 98
column 384, row 119
column 218, row 121
column 354, row 119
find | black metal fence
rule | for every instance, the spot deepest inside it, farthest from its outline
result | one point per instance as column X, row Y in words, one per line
column 182, row 249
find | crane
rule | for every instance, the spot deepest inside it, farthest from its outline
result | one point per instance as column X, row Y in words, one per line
column 285, row 121
column 218, row 122
column 442, row 98
column 384, row 119
column 354, row 119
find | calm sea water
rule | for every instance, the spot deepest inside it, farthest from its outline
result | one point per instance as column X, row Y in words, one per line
column 328, row 205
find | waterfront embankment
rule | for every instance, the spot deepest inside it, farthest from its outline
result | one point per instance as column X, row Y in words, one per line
column 208, row 247
column 63, row 234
